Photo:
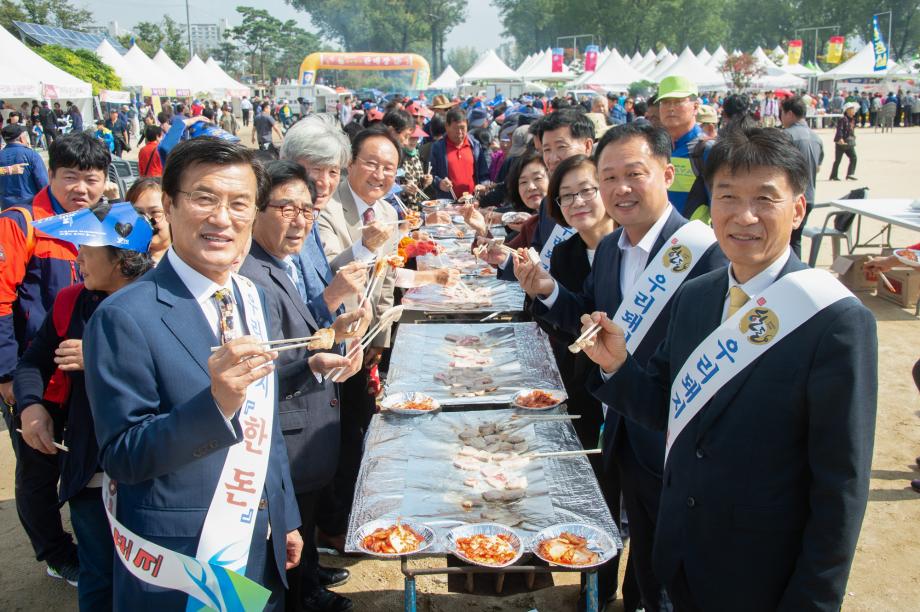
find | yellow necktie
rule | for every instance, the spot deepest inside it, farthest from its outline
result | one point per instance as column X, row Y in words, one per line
column 736, row 299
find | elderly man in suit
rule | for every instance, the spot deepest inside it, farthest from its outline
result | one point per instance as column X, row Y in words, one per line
column 634, row 170
column 770, row 430
column 190, row 434
column 308, row 400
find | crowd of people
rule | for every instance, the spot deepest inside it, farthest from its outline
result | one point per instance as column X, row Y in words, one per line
column 150, row 344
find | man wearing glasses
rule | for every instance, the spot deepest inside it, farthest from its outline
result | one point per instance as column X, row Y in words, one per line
column 183, row 395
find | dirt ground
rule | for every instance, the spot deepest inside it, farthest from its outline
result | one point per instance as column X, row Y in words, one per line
column 886, row 571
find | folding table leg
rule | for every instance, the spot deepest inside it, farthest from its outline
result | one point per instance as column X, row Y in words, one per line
column 591, row 595
column 409, row 596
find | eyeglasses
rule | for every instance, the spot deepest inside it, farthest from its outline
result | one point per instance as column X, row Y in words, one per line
column 204, row 202
column 289, row 211
column 585, row 195
column 373, row 166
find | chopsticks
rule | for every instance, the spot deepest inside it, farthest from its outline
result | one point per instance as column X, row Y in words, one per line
column 887, row 282
column 559, row 454
column 56, row 444
column 360, row 346
column 546, row 417
column 271, row 344
column 491, row 316
column 584, row 338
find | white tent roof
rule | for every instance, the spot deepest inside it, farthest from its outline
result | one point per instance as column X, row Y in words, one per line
column 664, row 51
column 199, row 74
column 615, row 74
column 718, row 57
column 489, row 67
column 129, row 75
column 688, row 66
column 774, row 77
column 26, row 74
column 860, row 66
column 175, row 74
column 703, row 55
column 447, row 80
column 231, row 86
column 524, row 63
column 154, row 77
column 801, row 70
column 635, row 59
column 602, row 56
column 542, row 69
column 661, row 66
column 762, row 58
column 778, row 51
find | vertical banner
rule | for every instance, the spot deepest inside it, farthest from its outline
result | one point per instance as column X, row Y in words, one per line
column 834, row 50
column 794, row 54
column 878, row 44
column 591, row 58
column 557, row 60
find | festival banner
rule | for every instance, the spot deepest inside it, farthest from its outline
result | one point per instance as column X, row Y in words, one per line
column 557, row 60
column 794, row 54
column 878, row 44
column 591, row 58
column 834, row 50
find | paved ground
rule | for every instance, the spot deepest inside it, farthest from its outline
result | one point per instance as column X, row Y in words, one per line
column 886, row 572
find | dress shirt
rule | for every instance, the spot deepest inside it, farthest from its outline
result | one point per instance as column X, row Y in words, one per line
column 361, row 252
column 632, row 261
column 758, row 284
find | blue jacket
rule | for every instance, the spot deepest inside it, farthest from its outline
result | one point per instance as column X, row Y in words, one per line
column 439, row 164
column 19, row 189
column 160, row 433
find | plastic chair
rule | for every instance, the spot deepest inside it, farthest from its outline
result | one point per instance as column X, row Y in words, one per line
column 885, row 119
column 828, row 230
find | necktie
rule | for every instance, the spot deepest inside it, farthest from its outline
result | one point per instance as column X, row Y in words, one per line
column 293, row 272
column 227, row 320
column 368, row 216
column 736, row 299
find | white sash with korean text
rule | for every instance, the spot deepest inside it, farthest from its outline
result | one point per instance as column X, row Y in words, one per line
column 663, row 275
column 557, row 236
column 215, row 577
column 745, row 336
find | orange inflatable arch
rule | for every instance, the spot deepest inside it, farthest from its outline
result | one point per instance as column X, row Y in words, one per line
column 315, row 62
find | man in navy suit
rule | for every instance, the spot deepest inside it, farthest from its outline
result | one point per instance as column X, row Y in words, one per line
column 633, row 163
column 766, row 482
column 167, row 408
column 308, row 400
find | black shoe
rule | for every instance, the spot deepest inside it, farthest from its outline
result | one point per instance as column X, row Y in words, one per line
column 852, row 178
column 332, row 576
column 833, row 178
column 69, row 572
column 324, row 600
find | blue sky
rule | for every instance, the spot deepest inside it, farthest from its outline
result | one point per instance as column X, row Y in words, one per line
column 482, row 28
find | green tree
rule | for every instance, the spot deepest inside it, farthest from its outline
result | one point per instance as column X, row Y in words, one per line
column 83, row 64
column 148, row 36
column 10, row 12
column 228, row 56
column 60, row 13
column 175, row 41
column 461, row 58
column 292, row 46
column 257, row 34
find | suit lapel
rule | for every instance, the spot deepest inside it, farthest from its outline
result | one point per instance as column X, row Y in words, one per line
column 713, row 314
column 184, row 318
column 353, row 223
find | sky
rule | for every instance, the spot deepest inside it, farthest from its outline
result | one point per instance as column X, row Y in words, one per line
column 482, row 28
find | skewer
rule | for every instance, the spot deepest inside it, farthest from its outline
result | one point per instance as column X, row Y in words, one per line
column 887, row 283
column 452, row 194
column 56, row 444
column 578, row 453
column 402, row 206
column 545, row 417
column 269, row 344
column 584, row 338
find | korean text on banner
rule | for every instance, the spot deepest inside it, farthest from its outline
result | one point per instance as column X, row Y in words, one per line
column 879, row 46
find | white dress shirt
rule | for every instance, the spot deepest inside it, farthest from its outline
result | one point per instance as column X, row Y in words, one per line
column 361, row 252
column 758, row 284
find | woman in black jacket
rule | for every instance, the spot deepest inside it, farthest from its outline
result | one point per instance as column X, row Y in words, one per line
column 49, row 378
column 845, row 141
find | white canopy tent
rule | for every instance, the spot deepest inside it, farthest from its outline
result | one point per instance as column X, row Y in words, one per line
column 647, row 63
column 773, row 76
column 183, row 85
column 635, row 59
column 527, row 61
column 206, row 82
column 489, row 68
column 29, row 76
column 661, row 66
column 662, row 53
column 447, row 80
column 615, row 74
column 718, row 58
column 779, row 52
column 156, row 82
column 703, row 55
column 542, row 70
column 231, row 87
column 129, row 75
column 762, row 58
column 687, row 65
column 859, row 66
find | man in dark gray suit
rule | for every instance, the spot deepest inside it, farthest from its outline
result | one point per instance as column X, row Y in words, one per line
column 792, row 115
column 308, row 403
column 766, row 475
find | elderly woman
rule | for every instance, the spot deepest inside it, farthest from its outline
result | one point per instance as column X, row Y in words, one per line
column 845, row 142
column 51, row 373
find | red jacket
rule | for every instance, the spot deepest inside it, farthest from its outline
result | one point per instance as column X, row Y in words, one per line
column 148, row 160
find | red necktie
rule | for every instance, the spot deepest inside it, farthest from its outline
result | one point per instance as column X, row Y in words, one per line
column 368, row 216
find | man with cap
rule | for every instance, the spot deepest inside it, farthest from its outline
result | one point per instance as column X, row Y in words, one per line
column 678, row 104
column 459, row 163
column 29, row 177
column 708, row 119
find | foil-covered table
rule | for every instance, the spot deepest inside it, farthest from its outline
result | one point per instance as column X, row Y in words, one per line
column 519, row 357
column 481, row 294
column 408, row 472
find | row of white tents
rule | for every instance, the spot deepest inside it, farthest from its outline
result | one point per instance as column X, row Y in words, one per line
column 28, row 76
column 616, row 72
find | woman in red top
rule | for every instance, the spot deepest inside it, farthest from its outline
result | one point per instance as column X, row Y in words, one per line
column 148, row 158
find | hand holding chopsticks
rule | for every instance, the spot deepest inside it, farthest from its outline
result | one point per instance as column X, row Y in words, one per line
column 603, row 341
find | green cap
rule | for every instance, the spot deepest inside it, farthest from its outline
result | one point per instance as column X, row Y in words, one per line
column 676, row 87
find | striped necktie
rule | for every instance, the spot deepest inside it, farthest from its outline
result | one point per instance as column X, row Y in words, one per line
column 227, row 320
column 736, row 299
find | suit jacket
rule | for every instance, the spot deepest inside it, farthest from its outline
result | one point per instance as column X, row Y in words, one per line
column 160, row 433
column 765, row 489
column 340, row 228
column 307, row 409
column 601, row 291
column 317, row 276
